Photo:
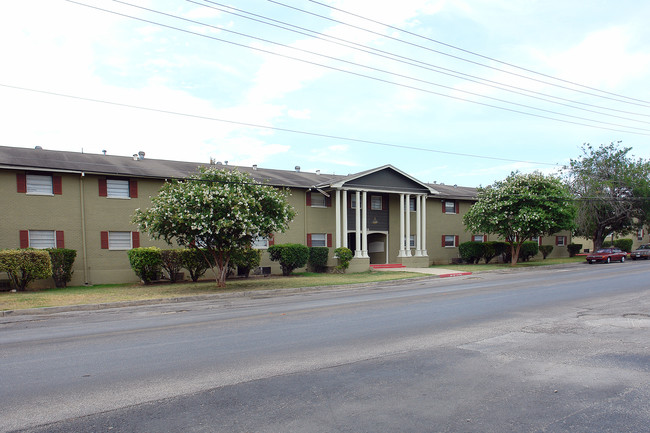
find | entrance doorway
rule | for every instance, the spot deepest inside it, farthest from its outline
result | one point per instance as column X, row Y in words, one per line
column 378, row 248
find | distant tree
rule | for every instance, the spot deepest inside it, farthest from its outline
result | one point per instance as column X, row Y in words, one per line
column 612, row 190
column 219, row 211
column 521, row 207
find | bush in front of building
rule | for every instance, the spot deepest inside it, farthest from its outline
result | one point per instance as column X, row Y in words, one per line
column 574, row 249
column 25, row 265
column 318, row 257
column 171, row 263
column 245, row 260
column 62, row 260
column 344, row 255
column 546, row 250
column 529, row 249
column 195, row 261
column 146, row 262
column 493, row 249
column 290, row 256
column 624, row 244
column 471, row 252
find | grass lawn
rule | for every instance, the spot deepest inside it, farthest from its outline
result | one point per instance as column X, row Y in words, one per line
column 482, row 267
column 129, row 292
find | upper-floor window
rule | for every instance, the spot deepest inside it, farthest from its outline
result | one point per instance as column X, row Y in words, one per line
column 38, row 184
column 412, row 205
column 317, row 200
column 118, row 188
column 376, row 202
column 450, row 206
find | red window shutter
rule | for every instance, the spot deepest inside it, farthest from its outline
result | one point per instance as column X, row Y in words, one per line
column 57, row 188
column 133, row 188
column 328, row 201
column 309, row 239
column 457, row 204
column 103, row 190
column 104, row 240
column 484, row 238
column 443, row 206
column 557, row 240
column 21, row 183
column 443, row 241
column 308, row 202
column 60, row 243
column 135, row 239
column 329, row 240
column 24, row 239
column 271, row 240
column 456, row 241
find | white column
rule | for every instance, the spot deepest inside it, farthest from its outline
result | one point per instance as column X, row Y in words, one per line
column 337, row 207
column 407, row 211
column 418, row 226
column 357, row 227
column 424, row 226
column 364, row 225
column 345, row 218
column 402, row 251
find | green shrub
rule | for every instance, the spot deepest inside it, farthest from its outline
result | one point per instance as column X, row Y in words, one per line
column 344, row 255
column 528, row 250
column 62, row 260
column 318, row 257
column 494, row 249
column 545, row 250
column 471, row 252
column 290, row 256
column 245, row 260
column 171, row 262
column 146, row 263
column 25, row 265
column 574, row 249
column 607, row 244
column 624, row 244
column 196, row 262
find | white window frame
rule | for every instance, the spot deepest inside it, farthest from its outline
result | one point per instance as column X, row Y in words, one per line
column 376, row 200
column 118, row 188
column 319, row 239
column 639, row 235
column 118, row 241
column 260, row 243
column 41, row 239
column 39, row 184
column 317, row 197
column 563, row 241
column 478, row 238
column 453, row 241
column 453, row 205
column 412, row 241
column 412, row 205
column 353, row 200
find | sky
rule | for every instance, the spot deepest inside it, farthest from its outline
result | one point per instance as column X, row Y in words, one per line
column 450, row 91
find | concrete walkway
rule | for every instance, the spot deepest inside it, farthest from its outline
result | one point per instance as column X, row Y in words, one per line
column 440, row 272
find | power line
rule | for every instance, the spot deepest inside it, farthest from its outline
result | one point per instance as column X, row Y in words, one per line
column 644, row 103
column 294, row 131
column 372, row 77
column 408, row 60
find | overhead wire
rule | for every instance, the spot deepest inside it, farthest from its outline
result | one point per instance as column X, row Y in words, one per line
column 369, row 76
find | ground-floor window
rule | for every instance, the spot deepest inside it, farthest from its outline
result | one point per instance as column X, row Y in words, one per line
column 449, row 241
column 560, row 241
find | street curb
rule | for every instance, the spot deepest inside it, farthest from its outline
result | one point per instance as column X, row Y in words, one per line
column 253, row 294
column 454, row 274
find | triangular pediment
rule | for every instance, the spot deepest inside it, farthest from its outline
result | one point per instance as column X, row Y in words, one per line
column 384, row 179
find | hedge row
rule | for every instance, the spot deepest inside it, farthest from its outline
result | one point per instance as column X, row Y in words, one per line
column 26, row 265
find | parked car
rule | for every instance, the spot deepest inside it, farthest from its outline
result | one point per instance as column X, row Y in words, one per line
column 643, row 252
column 607, row 255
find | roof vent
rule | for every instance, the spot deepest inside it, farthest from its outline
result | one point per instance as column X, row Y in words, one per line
column 297, row 168
column 38, row 147
column 254, row 166
column 226, row 162
column 104, row 152
column 219, row 163
column 141, row 155
column 318, row 172
column 212, row 161
column 135, row 157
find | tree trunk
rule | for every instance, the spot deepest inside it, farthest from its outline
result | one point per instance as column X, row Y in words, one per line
column 514, row 251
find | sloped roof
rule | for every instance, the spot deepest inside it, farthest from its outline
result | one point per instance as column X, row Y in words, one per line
column 112, row 165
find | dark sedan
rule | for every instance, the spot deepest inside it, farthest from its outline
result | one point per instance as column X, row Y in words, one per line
column 643, row 252
column 607, row 255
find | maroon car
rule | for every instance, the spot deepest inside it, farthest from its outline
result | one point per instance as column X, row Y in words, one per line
column 607, row 255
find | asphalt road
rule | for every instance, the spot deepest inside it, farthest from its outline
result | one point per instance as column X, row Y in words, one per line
column 538, row 350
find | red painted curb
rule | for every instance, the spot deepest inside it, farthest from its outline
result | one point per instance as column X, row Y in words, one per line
column 455, row 274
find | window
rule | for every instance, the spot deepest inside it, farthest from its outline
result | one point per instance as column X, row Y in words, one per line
column 537, row 240
column 319, row 239
column 375, row 202
column 40, row 239
column 120, row 240
column 560, row 241
column 317, row 200
column 261, row 243
column 478, row 238
column 353, row 200
column 412, row 241
column 639, row 235
column 118, row 188
column 449, row 241
column 412, row 204
column 450, row 206
column 38, row 184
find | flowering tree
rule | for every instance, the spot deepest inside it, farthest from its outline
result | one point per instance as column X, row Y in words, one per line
column 521, row 207
column 217, row 210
